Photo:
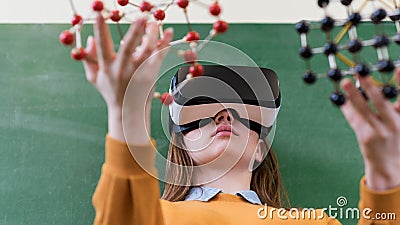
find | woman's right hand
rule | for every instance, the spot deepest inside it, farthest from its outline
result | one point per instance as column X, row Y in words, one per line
column 110, row 72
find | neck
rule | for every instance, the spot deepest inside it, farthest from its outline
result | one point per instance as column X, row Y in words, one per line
column 236, row 179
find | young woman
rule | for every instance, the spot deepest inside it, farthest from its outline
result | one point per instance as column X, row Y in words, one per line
column 127, row 193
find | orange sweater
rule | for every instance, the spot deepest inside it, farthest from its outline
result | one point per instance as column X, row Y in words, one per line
column 127, row 195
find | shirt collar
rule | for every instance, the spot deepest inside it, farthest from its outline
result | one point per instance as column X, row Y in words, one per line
column 205, row 194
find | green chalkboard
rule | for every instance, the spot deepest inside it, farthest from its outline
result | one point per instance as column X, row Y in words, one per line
column 53, row 124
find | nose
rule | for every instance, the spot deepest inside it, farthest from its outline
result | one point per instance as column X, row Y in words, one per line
column 223, row 116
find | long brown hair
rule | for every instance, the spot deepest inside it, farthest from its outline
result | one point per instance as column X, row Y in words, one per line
column 265, row 181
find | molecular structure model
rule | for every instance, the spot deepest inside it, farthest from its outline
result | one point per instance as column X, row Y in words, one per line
column 333, row 47
column 157, row 12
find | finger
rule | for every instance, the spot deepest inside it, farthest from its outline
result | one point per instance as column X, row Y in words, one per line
column 358, row 103
column 149, row 44
column 130, row 41
column 397, row 104
column 164, row 43
column 90, row 62
column 352, row 116
column 104, row 43
column 384, row 107
column 91, row 50
column 353, row 109
column 359, row 126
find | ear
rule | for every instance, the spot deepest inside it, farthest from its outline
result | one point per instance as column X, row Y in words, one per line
column 260, row 151
column 258, row 155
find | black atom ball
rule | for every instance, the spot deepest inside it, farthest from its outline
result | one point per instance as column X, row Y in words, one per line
column 309, row 77
column 327, row 24
column 355, row 19
column 306, row 52
column 395, row 16
column 385, row 66
column 330, row 48
column 378, row 15
column 323, row 3
column 389, row 91
column 396, row 38
column 354, row 46
column 335, row 74
column 362, row 70
column 337, row 98
column 381, row 41
column 346, row 2
column 302, row 27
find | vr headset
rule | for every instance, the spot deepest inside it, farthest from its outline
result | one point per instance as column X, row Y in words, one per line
column 251, row 94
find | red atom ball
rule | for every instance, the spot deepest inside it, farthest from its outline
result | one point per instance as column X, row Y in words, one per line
column 220, row 26
column 67, row 38
column 97, row 5
column 123, row 2
column 215, row 9
column 78, row 53
column 145, row 6
column 76, row 19
column 183, row 3
column 192, row 36
column 159, row 14
column 196, row 70
column 190, row 56
column 115, row 16
column 166, row 99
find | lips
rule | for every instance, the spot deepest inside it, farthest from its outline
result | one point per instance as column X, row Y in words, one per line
column 224, row 130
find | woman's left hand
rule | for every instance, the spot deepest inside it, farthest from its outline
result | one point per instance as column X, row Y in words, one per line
column 377, row 129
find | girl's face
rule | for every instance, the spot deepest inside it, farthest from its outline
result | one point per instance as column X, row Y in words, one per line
column 225, row 141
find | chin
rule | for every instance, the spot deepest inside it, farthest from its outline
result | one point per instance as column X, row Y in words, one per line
column 213, row 152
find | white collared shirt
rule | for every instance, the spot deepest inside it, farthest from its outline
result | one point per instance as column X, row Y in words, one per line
column 205, row 194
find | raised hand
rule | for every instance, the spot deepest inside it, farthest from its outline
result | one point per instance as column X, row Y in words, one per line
column 377, row 128
column 110, row 72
